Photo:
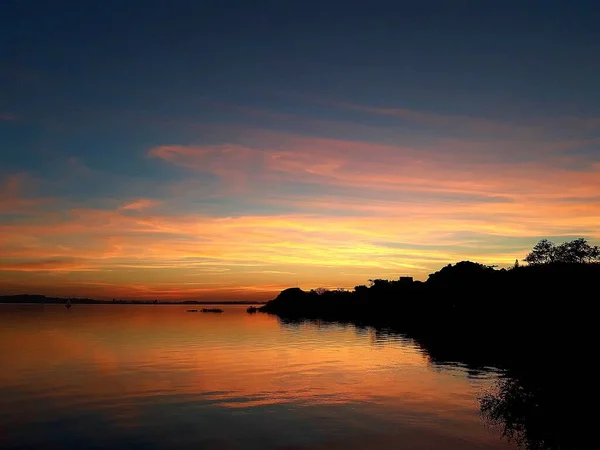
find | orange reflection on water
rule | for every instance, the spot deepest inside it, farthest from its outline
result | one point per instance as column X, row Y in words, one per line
column 120, row 359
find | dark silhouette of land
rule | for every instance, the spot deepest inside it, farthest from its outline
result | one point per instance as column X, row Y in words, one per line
column 42, row 299
column 211, row 310
column 533, row 322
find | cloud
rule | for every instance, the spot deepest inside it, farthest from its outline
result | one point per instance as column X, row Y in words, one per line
column 469, row 125
column 77, row 167
column 8, row 116
column 188, row 255
column 138, row 205
column 445, row 121
column 14, row 198
column 259, row 210
column 42, row 265
column 279, row 159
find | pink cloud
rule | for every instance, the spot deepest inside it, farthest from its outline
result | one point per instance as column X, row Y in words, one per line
column 329, row 236
column 12, row 195
column 78, row 167
column 443, row 120
column 138, row 205
column 536, row 127
column 281, row 158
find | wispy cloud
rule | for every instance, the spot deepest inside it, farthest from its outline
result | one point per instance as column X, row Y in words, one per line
column 256, row 210
column 403, row 169
column 13, row 194
column 138, row 205
column 8, row 116
column 471, row 125
column 153, row 250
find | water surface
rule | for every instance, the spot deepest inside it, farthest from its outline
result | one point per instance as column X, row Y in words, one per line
column 158, row 377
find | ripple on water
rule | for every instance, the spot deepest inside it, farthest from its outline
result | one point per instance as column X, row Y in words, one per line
column 159, row 377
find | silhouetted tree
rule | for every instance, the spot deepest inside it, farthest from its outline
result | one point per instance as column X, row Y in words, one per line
column 361, row 289
column 461, row 273
column 575, row 251
column 379, row 283
column 543, row 252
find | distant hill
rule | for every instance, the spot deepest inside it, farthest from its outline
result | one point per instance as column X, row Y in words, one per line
column 42, row 299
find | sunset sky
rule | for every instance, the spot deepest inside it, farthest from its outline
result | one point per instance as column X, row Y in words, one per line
column 229, row 149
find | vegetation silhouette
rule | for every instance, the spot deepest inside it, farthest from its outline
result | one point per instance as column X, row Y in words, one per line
column 576, row 251
column 533, row 322
column 544, row 407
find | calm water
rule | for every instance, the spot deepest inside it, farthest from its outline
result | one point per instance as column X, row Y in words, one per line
column 157, row 377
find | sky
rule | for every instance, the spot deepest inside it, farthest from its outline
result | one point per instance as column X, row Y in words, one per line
column 229, row 149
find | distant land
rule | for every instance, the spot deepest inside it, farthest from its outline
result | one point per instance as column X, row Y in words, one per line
column 42, row 299
column 506, row 317
column 536, row 323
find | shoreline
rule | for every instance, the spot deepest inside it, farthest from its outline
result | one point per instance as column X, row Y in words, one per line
column 33, row 299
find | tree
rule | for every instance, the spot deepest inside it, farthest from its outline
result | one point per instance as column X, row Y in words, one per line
column 594, row 254
column 575, row 251
column 543, row 252
column 361, row 289
column 516, row 265
column 379, row 282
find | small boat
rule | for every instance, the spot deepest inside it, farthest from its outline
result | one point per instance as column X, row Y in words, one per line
column 211, row 310
column 68, row 304
column 191, row 310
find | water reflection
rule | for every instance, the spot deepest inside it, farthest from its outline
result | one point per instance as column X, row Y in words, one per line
column 540, row 411
column 158, row 377
column 536, row 404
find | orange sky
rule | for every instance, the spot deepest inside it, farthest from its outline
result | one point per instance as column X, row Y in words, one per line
column 242, row 211
column 386, row 215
